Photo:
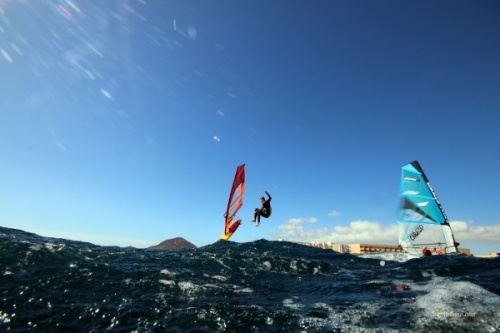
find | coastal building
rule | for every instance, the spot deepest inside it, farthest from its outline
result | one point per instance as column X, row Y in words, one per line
column 464, row 251
column 364, row 248
column 342, row 248
column 490, row 255
column 369, row 248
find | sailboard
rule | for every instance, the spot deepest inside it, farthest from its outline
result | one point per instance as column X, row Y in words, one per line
column 234, row 203
column 423, row 222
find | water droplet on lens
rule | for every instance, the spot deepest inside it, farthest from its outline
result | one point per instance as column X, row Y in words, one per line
column 382, row 263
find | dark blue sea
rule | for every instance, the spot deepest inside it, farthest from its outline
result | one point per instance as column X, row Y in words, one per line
column 57, row 285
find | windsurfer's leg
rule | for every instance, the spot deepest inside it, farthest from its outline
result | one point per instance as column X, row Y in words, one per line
column 255, row 214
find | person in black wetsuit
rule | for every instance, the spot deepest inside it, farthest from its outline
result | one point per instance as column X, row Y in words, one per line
column 265, row 211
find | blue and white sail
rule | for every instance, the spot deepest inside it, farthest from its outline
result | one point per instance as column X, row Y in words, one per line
column 423, row 222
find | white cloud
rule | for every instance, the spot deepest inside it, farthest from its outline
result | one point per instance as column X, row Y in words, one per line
column 216, row 138
column 356, row 232
column 300, row 220
column 468, row 232
column 374, row 232
column 334, row 213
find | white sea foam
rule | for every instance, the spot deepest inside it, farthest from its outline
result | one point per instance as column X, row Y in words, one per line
column 189, row 287
column 400, row 257
column 35, row 247
column 4, row 317
column 447, row 295
column 167, row 282
column 293, row 265
column 219, row 277
column 292, row 303
column 54, row 247
column 267, row 265
column 244, row 290
column 167, row 272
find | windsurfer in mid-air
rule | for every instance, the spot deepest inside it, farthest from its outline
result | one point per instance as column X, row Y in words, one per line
column 265, row 211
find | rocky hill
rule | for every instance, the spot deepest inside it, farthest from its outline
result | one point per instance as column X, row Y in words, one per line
column 173, row 244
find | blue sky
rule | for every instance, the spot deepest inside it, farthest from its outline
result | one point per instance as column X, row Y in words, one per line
column 123, row 122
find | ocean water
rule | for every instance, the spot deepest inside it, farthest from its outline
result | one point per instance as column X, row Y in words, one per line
column 57, row 285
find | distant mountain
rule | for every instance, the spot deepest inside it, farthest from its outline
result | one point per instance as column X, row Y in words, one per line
column 174, row 243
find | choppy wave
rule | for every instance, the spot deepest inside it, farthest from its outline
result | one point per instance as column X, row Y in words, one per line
column 59, row 285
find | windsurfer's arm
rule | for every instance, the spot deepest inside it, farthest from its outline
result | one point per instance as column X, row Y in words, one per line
column 268, row 196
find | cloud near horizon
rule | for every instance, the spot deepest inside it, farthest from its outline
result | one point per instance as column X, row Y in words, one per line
column 468, row 232
column 374, row 232
column 356, row 232
column 334, row 213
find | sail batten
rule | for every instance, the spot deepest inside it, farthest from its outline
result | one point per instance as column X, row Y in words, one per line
column 234, row 203
column 423, row 222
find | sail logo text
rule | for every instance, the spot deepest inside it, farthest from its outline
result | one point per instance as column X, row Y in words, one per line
column 416, row 232
column 413, row 179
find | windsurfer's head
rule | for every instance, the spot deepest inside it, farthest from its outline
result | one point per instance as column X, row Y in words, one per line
column 426, row 252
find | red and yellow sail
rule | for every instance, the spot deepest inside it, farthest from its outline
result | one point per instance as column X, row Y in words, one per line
column 235, row 202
